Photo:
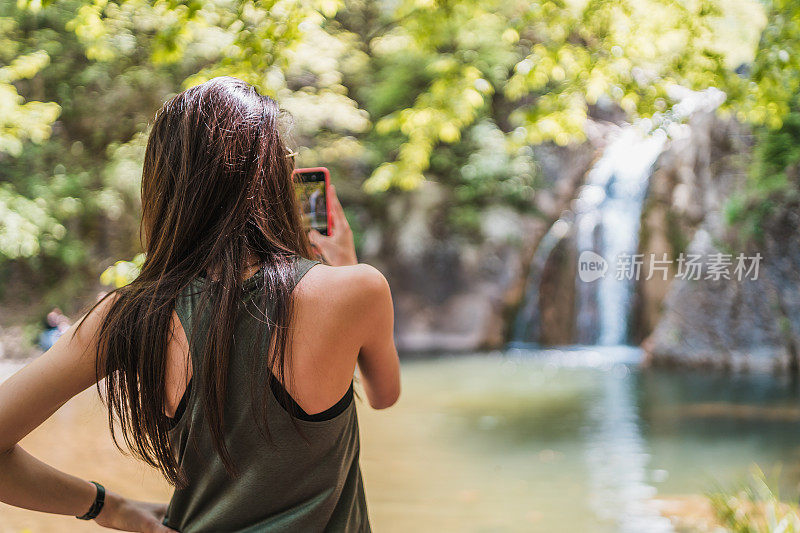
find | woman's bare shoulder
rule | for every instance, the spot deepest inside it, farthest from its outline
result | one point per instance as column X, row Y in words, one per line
column 351, row 278
column 343, row 287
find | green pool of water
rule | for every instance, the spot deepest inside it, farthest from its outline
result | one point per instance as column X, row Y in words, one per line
column 583, row 439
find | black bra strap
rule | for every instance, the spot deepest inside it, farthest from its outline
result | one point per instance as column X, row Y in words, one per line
column 293, row 408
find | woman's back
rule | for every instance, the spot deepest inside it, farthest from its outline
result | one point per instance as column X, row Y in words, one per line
column 295, row 472
column 217, row 196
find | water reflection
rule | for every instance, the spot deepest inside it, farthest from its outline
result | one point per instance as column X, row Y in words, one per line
column 618, row 458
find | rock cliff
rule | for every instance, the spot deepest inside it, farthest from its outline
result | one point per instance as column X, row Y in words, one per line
column 457, row 294
column 737, row 324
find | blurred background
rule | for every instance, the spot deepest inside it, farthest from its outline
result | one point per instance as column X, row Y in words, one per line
column 481, row 149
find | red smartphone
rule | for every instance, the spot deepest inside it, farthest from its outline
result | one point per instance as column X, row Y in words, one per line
column 311, row 186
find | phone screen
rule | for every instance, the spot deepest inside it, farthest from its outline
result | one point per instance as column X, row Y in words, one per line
column 310, row 188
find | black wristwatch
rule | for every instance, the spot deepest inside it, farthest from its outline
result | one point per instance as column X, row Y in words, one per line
column 97, row 506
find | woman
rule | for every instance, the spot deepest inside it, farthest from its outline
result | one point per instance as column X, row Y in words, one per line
column 228, row 362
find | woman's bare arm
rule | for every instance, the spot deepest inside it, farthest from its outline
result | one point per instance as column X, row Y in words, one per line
column 30, row 397
column 27, row 399
column 369, row 304
column 377, row 359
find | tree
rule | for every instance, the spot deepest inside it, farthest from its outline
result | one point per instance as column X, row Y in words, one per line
column 388, row 94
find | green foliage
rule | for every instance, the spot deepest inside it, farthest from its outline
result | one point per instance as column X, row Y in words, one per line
column 27, row 225
column 534, row 68
column 755, row 508
column 766, row 96
column 777, row 150
column 122, row 272
column 485, row 173
column 21, row 120
column 770, row 100
column 772, row 182
column 386, row 94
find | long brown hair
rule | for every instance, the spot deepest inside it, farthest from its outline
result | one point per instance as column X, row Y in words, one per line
column 216, row 191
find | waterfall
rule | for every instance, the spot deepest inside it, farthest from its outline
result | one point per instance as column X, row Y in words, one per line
column 605, row 222
column 608, row 209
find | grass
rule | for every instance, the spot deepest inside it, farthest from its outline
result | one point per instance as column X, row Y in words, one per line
column 755, row 508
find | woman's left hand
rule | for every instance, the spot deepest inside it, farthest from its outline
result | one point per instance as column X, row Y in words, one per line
column 130, row 515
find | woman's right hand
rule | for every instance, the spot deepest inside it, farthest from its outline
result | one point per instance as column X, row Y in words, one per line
column 337, row 248
column 129, row 515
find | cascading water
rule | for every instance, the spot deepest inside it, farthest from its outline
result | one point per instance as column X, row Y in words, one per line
column 608, row 209
column 606, row 222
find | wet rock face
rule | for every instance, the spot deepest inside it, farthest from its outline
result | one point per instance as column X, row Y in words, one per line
column 724, row 323
column 781, row 249
column 454, row 293
column 747, row 324
column 702, row 166
column 557, row 295
column 449, row 291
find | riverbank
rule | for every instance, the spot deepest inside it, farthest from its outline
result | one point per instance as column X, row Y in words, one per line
column 691, row 513
column 16, row 344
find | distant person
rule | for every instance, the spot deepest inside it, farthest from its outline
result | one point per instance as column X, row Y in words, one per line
column 229, row 360
column 55, row 324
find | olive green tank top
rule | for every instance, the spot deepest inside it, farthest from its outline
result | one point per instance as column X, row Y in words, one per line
column 303, row 476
